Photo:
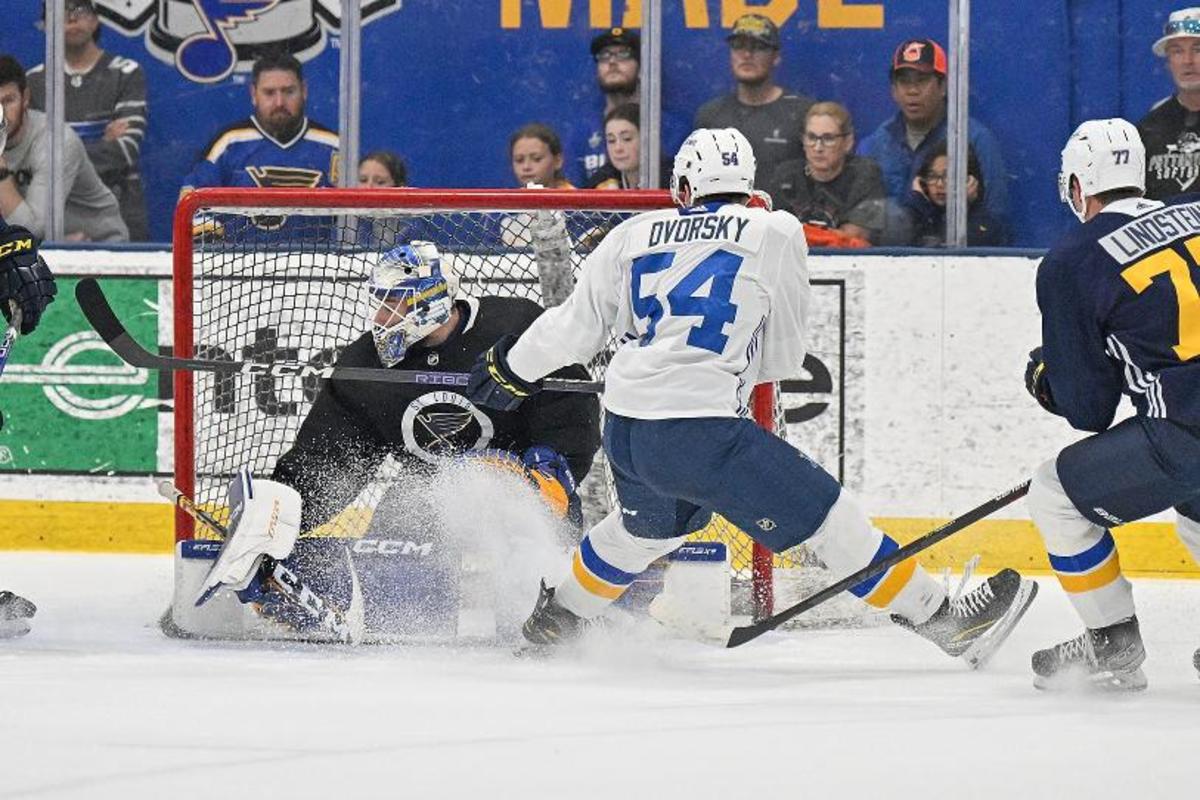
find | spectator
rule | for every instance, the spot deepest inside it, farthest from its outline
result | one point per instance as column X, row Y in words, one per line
column 617, row 53
column 622, row 136
column 768, row 115
column 903, row 143
column 927, row 204
column 278, row 145
column 536, row 154
column 830, row 187
column 382, row 169
column 105, row 103
column 91, row 212
column 1171, row 131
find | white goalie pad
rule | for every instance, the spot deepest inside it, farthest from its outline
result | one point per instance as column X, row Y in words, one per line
column 695, row 599
column 265, row 521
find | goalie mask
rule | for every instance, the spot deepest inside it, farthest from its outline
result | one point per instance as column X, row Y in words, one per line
column 410, row 299
column 712, row 161
column 1102, row 154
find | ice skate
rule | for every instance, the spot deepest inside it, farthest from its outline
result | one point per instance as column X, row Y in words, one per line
column 15, row 613
column 1109, row 659
column 550, row 624
column 973, row 626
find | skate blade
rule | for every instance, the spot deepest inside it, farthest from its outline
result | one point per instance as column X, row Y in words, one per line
column 982, row 649
column 1080, row 681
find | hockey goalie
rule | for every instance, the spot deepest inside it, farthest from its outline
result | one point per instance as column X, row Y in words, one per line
column 393, row 498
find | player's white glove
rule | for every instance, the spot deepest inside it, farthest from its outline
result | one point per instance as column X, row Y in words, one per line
column 264, row 521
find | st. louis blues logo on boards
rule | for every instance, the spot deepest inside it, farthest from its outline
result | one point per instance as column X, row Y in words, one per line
column 208, row 40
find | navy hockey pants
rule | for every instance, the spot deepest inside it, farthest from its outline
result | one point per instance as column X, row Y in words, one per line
column 671, row 474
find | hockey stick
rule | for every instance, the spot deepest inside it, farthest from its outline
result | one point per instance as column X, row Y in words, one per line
column 746, row 633
column 10, row 335
column 100, row 314
column 348, row 627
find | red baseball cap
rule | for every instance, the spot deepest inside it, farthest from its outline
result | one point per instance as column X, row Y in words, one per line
column 922, row 55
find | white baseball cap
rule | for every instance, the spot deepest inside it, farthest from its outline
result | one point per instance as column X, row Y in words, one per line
column 1181, row 23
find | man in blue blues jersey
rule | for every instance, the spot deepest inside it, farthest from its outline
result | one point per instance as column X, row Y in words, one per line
column 1120, row 315
column 278, row 146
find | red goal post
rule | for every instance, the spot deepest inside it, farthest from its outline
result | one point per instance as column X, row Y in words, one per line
column 251, row 264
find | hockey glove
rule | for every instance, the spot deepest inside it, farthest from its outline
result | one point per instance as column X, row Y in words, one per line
column 550, row 471
column 493, row 384
column 1036, row 382
column 24, row 277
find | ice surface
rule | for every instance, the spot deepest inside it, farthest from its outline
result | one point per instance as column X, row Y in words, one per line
column 96, row 703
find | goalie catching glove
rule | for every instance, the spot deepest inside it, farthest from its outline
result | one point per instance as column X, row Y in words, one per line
column 546, row 471
column 493, row 384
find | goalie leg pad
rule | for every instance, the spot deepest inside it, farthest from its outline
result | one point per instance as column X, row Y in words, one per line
column 265, row 521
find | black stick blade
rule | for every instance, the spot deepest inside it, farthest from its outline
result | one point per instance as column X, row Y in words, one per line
column 97, row 310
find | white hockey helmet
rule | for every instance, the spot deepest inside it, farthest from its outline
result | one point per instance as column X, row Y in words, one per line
column 1102, row 154
column 410, row 298
column 712, row 161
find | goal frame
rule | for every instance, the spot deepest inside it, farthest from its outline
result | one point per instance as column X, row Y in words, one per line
column 417, row 200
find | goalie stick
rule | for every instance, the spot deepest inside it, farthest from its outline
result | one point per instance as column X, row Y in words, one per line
column 741, row 635
column 347, row 628
column 101, row 316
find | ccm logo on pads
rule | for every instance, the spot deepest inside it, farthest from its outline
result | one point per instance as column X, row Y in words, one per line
column 393, row 547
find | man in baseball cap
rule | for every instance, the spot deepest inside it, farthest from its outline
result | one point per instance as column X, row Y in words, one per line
column 617, row 53
column 767, row 114
column 1171, row 131
column 903, row 143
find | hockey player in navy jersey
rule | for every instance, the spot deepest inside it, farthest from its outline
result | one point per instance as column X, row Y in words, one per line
column 417, row 322
column 1120, row 314
column 26, row 288
column 712, row 298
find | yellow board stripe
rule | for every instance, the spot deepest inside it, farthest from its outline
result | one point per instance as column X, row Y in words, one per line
column 1102, row 576
column 593, row 584
column 87, row 527
column 897, row 578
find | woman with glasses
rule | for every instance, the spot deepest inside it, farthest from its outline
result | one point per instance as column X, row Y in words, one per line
column 831, row 188
column 926, row 204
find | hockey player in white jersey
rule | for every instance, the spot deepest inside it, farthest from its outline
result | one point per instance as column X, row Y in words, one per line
column 712, row 298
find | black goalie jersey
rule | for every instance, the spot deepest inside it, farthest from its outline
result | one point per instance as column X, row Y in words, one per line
column 354, row 425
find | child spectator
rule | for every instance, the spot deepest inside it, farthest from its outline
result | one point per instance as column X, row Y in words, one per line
column 536, row 154
column 926, row 203
column 382, row 169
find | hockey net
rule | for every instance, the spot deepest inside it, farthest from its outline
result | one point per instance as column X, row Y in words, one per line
column 277, row 275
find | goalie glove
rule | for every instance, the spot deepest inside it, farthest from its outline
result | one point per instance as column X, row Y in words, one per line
column 1037, row 383
column 545, row 470
column 264, row 522
column 493, row 384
